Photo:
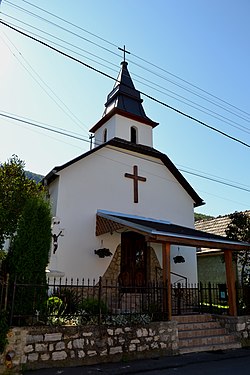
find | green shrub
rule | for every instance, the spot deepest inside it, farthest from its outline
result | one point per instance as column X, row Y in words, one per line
column 93, row 306
column 90, row 308
column 70, row 298
column 55, row 310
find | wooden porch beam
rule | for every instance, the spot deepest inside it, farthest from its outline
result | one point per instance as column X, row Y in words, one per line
column 167, row 301
column 192, row 242
column 230, row 275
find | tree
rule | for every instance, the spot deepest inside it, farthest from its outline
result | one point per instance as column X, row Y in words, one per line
column 239, row 229
column 28, row 256
column 15, row 189
column 198, row 216
column 30, row 249
column 25, row 218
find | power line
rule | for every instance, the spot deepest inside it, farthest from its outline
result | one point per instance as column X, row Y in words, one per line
column 214, row 115
column 138, row 57
column 215, row 180
column 213, row 176
column 114, row 79
column 69, row 23
column 112, row 44
column 198, row 121
column 77, row 137
column 218, row 116
column 69, row 113
column 40, row 126
column 63, row 28
column 191, row 91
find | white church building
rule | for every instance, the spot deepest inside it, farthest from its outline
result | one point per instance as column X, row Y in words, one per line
column 122, row 210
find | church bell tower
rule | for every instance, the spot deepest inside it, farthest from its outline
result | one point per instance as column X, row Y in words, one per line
column 124, row 116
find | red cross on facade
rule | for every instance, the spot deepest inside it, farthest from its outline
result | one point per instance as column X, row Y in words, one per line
column 135, row 178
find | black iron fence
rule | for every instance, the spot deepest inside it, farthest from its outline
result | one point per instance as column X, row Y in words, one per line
column 84, row 302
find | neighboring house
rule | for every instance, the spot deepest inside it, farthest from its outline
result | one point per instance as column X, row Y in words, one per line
column 122, row 210
column 211, row 267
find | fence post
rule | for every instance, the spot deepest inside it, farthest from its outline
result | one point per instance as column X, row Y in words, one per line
column 6, row 291
column 99, row 300
column 210, row 297
column 13, row 301
column 200, row 298
column 179, row 298
column 237, row 297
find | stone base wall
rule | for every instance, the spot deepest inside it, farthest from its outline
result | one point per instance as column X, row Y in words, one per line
column 237, row 324
column 41, row 347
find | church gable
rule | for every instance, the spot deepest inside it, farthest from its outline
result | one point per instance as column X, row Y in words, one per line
column 137, row 150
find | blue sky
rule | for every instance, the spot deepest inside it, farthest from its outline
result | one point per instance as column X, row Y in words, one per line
column 181, row 52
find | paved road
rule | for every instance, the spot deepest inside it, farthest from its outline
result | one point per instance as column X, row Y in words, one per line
column 233, row 362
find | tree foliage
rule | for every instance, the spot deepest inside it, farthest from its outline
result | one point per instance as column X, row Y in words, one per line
column 198, row 216
column 15, row 189
column 28, row 256
column 239, row 229
column 25, row 218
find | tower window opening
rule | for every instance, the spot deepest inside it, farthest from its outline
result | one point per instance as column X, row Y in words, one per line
column 105, row 135
column 133, row 134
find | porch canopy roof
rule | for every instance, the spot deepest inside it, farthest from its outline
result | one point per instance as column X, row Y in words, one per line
column 164, row 231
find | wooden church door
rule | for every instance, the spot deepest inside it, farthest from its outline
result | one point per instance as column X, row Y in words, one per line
column 133, row 260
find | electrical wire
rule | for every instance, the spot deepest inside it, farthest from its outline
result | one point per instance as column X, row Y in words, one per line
column 86, row 31
column 60, row 131
column 138, row 57
column 114, row 79
column 70, row 114
column 187, row 101
column 63, row 28
column 214, row 115
column 44, row 127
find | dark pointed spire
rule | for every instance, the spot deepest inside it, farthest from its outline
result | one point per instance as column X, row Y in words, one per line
column 125, row 100
column 125, row 97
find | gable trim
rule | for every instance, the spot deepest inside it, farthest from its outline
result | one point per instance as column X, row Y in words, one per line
column 137, row 148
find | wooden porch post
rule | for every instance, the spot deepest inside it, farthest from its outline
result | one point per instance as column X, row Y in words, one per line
column 230, row 274
column 167, row 303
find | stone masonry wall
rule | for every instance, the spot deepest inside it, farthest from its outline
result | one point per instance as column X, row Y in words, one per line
column 239, row 325
column 41, row 347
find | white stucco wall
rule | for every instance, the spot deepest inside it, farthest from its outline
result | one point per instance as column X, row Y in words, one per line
column 119, row 126
column 53, row 195
column 98, row 182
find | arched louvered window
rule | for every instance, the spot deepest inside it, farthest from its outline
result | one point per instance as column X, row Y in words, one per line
column 133, row 134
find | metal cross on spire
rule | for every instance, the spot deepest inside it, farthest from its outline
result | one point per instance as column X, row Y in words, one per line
column 124, row 52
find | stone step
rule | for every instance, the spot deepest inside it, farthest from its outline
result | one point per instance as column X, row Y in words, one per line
column 201, row 332
column 193, row 318
column 199, row 325
column 206, row 341
column 209, row 348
